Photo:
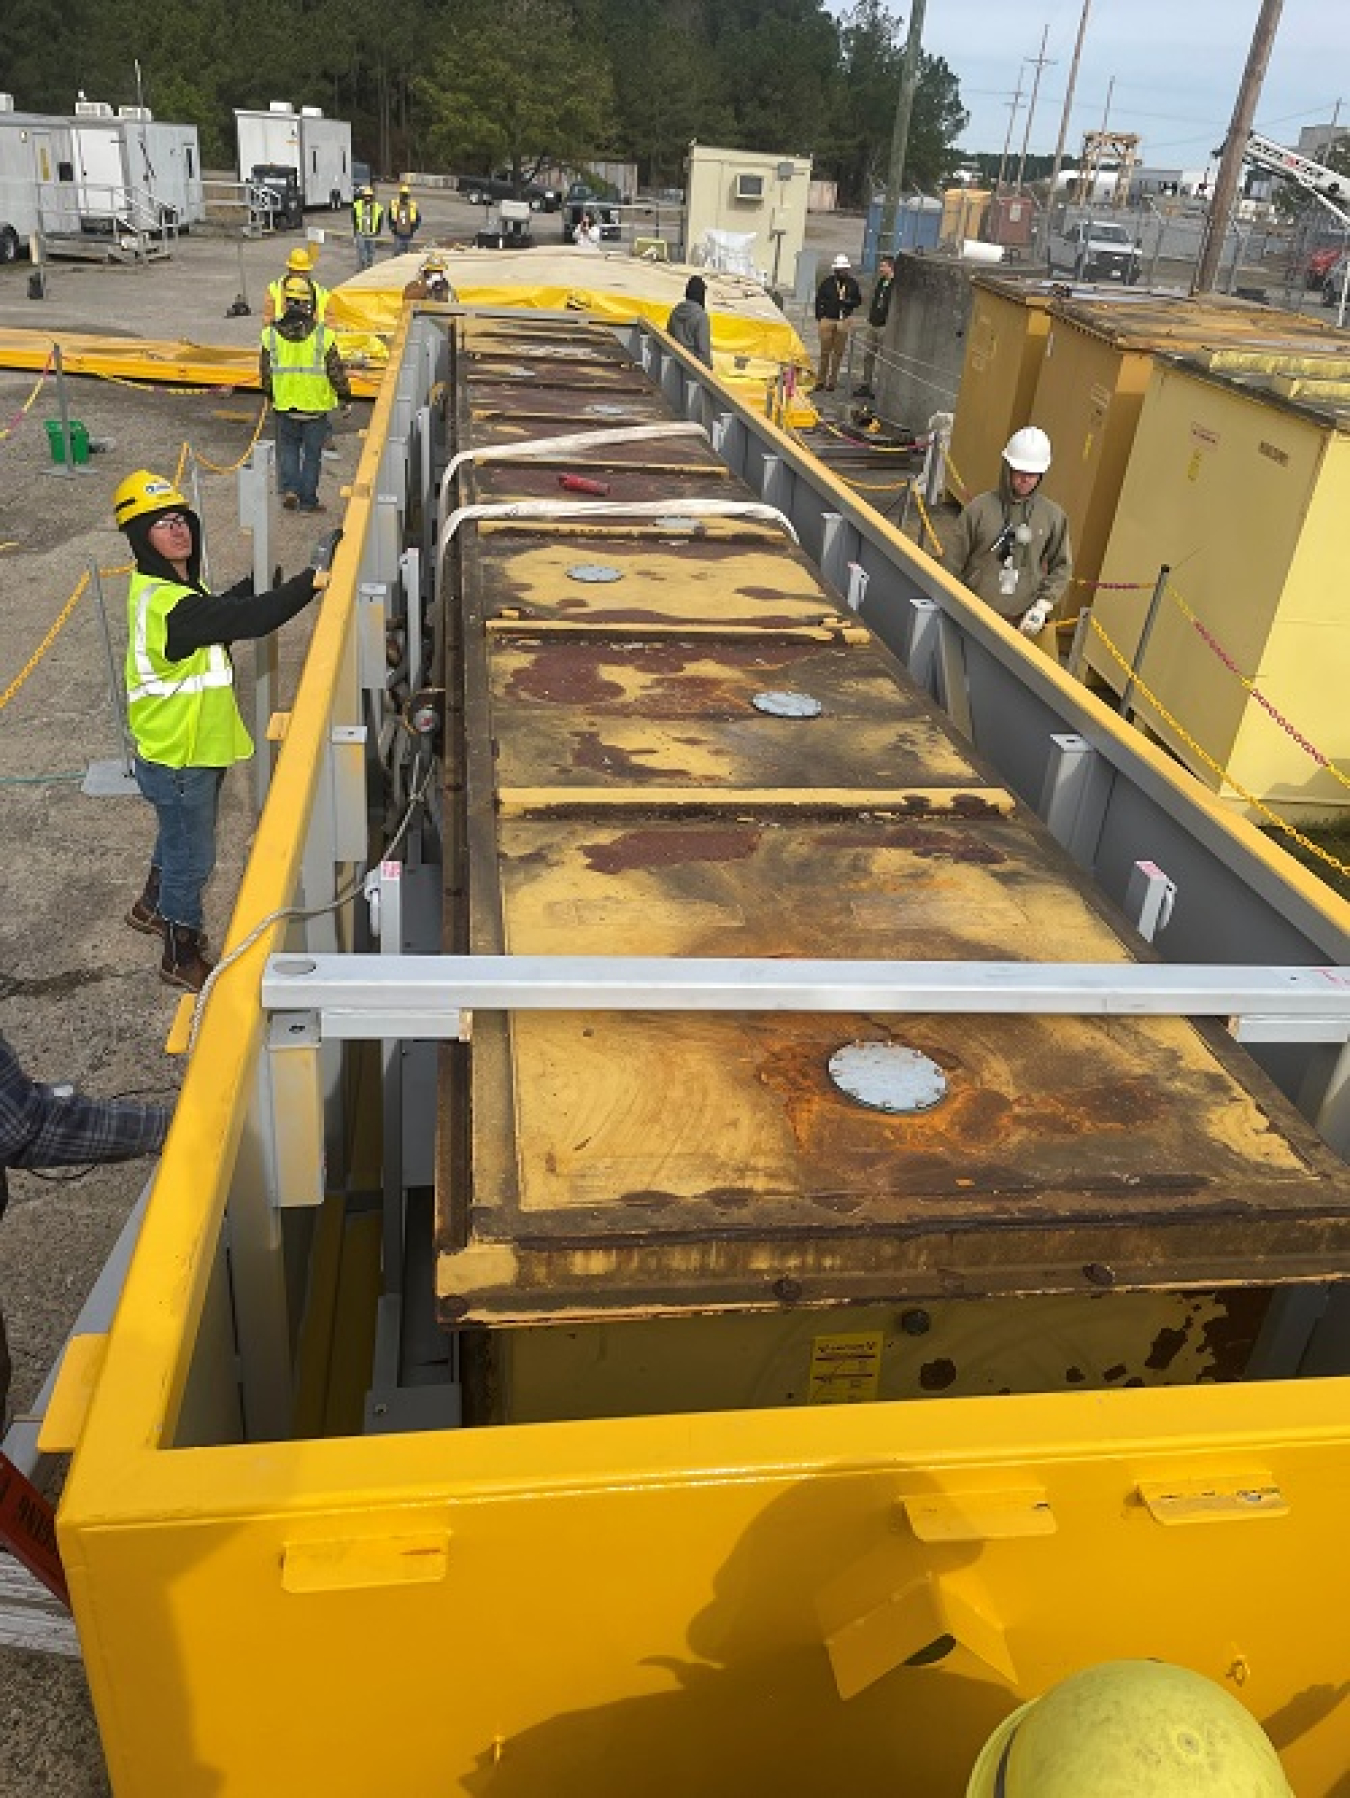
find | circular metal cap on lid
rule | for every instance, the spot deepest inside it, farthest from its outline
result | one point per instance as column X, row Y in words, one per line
column 605, row 410
column 677, row 521
column 787, row 705
column 888, row 1077
column 594, row 572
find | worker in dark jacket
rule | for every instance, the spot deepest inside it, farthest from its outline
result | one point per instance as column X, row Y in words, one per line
column 837, row 298
column 54, row 1126
column 878, row 311
column 304, row 377
column 689, row 324
column 181, row 705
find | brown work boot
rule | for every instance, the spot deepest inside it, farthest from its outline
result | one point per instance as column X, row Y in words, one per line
column 183, row 962
column 144, row 914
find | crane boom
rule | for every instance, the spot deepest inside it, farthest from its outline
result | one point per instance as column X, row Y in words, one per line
column 1329, row 186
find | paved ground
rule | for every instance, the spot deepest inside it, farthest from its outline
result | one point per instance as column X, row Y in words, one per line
column 79, row 995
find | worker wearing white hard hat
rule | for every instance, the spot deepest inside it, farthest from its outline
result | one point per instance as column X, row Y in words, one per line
column 1130, row 1729
column 837, row 298
column 1012, row 543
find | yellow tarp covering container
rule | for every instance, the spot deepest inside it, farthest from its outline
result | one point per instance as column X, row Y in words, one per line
column 1009, row 323
column 751, row 338
column 1094, row 374
column 1244, row 493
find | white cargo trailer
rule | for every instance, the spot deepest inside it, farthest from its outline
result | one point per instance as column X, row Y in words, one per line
column 318, row 149
column 135, row 167
column 35, row 155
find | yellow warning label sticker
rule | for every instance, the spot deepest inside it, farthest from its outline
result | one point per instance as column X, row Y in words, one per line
column 845, row 1370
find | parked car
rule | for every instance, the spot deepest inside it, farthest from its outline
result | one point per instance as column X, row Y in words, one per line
column 1097, row 250
column 581, row 199
column 481, row 190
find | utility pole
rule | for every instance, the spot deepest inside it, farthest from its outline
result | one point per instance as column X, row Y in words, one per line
column 1068, row 104
column 1235, row 144
column 1042, row 61
column 904, row 108
column 1012, row 105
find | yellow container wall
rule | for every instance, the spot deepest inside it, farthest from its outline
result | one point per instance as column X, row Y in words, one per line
column 1245, row 499
column 1088, row 398
column 1004, row 346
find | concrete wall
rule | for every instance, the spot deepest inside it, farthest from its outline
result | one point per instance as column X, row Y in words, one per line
column 925, row 342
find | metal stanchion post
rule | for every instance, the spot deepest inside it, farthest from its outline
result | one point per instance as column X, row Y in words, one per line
column 115, row 777
column 255, row 516
column 1137, row 663
column 64, row 405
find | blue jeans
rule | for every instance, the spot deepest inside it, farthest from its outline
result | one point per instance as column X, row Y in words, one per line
column 365, row 251
column 300, row 440
column 186, row 801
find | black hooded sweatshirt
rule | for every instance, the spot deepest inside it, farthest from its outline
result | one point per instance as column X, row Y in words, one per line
column 200, row 618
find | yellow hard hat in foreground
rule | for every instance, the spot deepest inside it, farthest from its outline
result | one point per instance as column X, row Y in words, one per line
column 301, row 260
column 1130, row 1729
column 144, row 492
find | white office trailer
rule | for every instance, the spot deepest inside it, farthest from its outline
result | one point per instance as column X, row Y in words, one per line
column 318, row 149
column 129, row 155
column 752, row 195
column 34, row 149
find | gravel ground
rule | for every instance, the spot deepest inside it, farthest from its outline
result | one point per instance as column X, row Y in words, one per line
column 79, row 994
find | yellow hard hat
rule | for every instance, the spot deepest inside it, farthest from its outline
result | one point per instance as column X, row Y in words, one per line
column 433, row 262
column 403, row 188
column 301, row 260
column 1125, row 1728
column 298, row 287
column 143, row 493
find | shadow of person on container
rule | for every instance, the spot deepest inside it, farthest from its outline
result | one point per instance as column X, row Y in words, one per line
column 754, row 1706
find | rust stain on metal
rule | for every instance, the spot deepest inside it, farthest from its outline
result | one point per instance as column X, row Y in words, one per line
column 937, row 1376
column 1167, row 1345
column 563, row 674
column 1229, row 1337
column 603, row 758
column 934, row 844
column 669, row 849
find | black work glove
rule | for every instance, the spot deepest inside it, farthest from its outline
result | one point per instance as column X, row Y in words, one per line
column 241, row 589
column 321, row 556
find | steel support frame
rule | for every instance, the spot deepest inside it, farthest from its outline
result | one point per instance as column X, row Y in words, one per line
column 363, row 997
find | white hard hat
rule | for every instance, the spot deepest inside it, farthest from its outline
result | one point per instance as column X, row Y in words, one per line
column 1028, row 450
column 842, row 261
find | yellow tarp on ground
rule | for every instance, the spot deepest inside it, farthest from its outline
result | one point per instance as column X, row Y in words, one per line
column 181, row 364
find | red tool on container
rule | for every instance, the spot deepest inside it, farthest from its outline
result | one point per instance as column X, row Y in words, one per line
column 580, row 483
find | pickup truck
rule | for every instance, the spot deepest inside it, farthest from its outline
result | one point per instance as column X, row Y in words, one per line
column 479, row 190
column 1097, row 250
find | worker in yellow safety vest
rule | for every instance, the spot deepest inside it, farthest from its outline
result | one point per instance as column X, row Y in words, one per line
column 367, row 223
column 1130, row 1729
column 303, row 375
column 181, row 705
column 300, row 262
column 404, row 218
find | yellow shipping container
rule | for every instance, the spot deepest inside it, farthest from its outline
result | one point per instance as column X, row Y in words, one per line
column 1009, row 323
column 1094, row 374
column 1242, row 492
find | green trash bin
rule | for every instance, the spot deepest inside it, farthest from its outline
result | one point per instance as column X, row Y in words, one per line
column 79, row 441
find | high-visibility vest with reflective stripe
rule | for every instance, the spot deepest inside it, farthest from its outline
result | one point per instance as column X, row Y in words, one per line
column 368, row 216
column 299, row 371
column 322, row 295
column 182, row 714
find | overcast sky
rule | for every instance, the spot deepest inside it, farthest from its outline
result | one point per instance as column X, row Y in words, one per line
column 1177, row 65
